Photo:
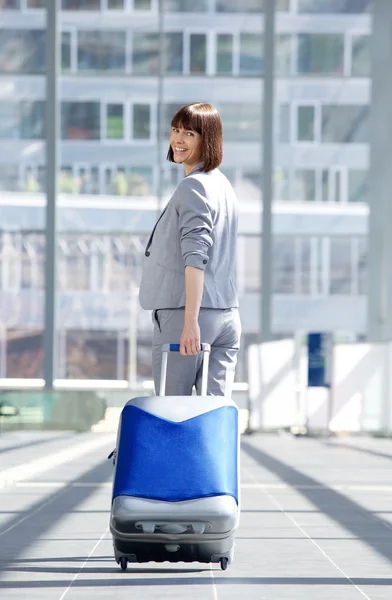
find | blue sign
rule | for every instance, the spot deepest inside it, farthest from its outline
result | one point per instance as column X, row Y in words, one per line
column 319, row 359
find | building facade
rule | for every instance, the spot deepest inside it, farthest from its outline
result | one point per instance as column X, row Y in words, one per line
column 126, row 66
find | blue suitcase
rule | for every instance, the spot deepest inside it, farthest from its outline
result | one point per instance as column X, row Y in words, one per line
column 176, row 482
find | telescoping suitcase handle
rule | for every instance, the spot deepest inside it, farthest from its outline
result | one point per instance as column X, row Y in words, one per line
column 166, row 348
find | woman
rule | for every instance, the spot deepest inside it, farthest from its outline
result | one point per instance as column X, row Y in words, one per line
column 189, row 271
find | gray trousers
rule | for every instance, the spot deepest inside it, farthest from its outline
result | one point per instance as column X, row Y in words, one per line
column 221, row 328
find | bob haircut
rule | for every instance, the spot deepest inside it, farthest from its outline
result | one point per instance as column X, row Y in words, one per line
column 205, row 120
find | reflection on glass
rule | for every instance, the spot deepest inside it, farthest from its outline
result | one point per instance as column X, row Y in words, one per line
column 115, row 122
column 305, row 115
column 22, row 51
column 320, row 53
column 360, row 56
column 36, row 3
column 251, row 52
column 358, row 190
column 333, row 6
column 80, row 120
column 141, row 122
column 241, row 122
column 116, row 4
column 283, row 55
column 185, row 5
column 305, row 185
column 198, row 50
column 224, row 54
column 345, row 124
column 66, row 50
column 81, row 4
column 101, row 50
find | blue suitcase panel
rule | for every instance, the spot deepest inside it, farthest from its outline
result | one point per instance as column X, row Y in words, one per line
column 172, row 462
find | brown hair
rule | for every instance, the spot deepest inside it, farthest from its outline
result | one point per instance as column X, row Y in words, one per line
column 205, row 120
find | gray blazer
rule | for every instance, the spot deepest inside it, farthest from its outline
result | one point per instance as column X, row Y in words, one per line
column 198, row 227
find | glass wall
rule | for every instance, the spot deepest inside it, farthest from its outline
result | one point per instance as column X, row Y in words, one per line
column 122, row 79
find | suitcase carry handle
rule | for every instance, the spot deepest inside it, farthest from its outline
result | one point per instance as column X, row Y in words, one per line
column 166, row 348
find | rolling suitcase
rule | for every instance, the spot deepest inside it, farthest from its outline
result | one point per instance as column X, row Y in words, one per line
column 176, row 481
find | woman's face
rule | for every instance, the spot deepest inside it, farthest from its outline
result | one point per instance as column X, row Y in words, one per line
column 186, row 146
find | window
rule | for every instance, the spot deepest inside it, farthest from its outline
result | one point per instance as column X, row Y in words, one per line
column 22, row 51
column 332, row 185
column 141, row 122
column 360, row 56
column 10, row 4
column 241, row 122
column 173, row 55
column 80, row 120
column 198, row 53
column 283, row 56
column 9, row 176
column 251, row 52
column 283, row 265
column 36, row 3
column 66, row 50
column 320, row 53
column 305, row 185
column 146, row 53
column 32, row 120
column 128, row 181
column 333, row 6
column 284, row 123
column 101, row 50
column 115, row 122
column 224, row 54
column 9, row 120
column 358, row 190
column 185, row 5
column 22, row 120
column 306, row 124
column 249, row 6
column 116, row 4
column 281, row 185
column 142, row 4
column 345, row 124
column 340, row 265
column 81, row 4
column 238, row 6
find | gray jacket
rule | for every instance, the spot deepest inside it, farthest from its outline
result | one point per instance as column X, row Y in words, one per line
column 198, row 227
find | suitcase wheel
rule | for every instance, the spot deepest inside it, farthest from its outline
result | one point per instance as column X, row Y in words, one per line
column 224, row 563
column 123, row 563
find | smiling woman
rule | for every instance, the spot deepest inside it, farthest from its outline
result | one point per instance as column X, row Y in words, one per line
column 189, row 272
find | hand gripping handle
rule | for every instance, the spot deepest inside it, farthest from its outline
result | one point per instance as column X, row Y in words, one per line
column 166, row 348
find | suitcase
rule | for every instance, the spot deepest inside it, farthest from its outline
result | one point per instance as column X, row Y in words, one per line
column 176, row 481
